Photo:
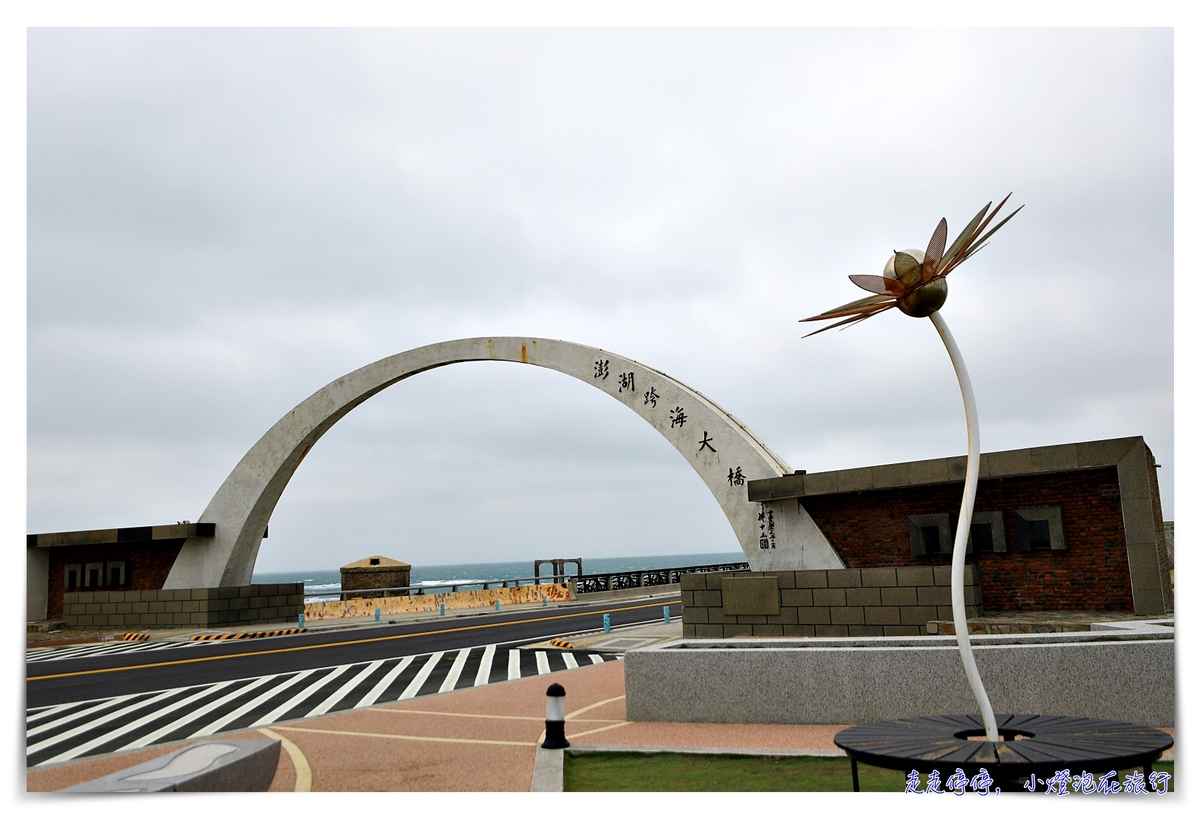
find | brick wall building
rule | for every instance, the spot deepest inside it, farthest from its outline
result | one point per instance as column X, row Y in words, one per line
column 101, row 560
column 114, row 577
column 1072, row 527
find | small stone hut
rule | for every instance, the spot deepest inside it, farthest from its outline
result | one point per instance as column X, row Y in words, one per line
column 363, row 578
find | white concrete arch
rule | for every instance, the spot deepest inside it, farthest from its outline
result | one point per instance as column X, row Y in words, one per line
column 774, row 536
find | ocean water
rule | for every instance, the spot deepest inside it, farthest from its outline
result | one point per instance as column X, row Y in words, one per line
column 326, row 584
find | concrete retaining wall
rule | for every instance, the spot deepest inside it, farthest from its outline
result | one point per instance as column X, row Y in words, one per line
column 851, row 681
column 843, row 602
column 431, row 603
column 185, row 607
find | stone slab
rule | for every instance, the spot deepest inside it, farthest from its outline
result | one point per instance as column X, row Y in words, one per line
column 1121, row 676
column 750, row 596
column 209, row 766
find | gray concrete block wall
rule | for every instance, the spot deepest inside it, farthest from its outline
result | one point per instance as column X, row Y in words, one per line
column 271, row 603
column 845, row 602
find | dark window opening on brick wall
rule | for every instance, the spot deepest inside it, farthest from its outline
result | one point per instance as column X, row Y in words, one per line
column 929, row 539
column 986, row 534
column 929, row 534
column 115, row 572
column 1039, row 535
column 72, row 577
column 1040, row 529
column 93, row 575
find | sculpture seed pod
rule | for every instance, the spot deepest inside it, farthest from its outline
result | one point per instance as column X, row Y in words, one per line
column 925, row 299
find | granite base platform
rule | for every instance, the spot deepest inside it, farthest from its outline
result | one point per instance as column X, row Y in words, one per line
column 1122, row 675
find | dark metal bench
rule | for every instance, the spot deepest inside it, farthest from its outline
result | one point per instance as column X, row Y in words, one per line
column 1030, row 745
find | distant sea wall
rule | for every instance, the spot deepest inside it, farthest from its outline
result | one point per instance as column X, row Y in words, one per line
column 431, row 603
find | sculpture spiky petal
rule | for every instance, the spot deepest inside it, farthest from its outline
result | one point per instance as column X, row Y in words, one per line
column 915, row 281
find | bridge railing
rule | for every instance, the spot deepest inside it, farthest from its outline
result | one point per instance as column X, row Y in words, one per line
column 619, row 581
column 585, row 584
column 450, row 587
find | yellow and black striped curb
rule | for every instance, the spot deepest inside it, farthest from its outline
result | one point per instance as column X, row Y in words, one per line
column 561, row 643
column 134, row 637
column 212, row 637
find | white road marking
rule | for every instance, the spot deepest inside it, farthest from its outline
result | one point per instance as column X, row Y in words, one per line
column 89, row 725
column 278, row 712
column 125, row 729
column 337, row 695
column 246, row 707
column 384, row 683
column 415, row 685
column 485, row 666
column 79, row 719
column 456, row 670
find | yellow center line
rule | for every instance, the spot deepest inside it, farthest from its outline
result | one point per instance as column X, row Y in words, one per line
column 334, row 644
column 407, row 738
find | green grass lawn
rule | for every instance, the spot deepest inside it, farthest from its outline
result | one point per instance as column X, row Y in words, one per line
column 684, row 772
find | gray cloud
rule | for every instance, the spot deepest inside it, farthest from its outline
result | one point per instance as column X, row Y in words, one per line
column 222, row 221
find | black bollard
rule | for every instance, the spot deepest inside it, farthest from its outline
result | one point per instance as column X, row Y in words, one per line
column 556, row 735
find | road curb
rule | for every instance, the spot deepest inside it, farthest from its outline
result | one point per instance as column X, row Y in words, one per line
column 547, row 771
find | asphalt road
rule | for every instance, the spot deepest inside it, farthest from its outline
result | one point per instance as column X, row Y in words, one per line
column 85, row 678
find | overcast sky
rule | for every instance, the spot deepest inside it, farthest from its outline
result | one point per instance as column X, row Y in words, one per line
column 220, row 222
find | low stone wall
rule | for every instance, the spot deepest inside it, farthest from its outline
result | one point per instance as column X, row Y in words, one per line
column 431, row 603
column 897, row 601
column 185, row 607
column 1124, row 677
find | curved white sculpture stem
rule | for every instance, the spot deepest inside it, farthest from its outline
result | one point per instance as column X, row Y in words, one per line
column 964, row 527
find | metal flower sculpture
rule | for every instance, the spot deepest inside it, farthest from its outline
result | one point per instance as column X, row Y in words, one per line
column 916, row 283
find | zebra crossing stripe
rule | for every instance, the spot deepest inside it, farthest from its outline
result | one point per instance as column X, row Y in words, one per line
column 415, row 685
column 384, row 683
column 105, row 649
column 278, row 713
column 72, row 712
column 337, row 695
column 200, row 712
column 105, row 719
column 456, row 670
column 485, row 666
column 132, row 726
column 260, row 699
column 79, row 729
